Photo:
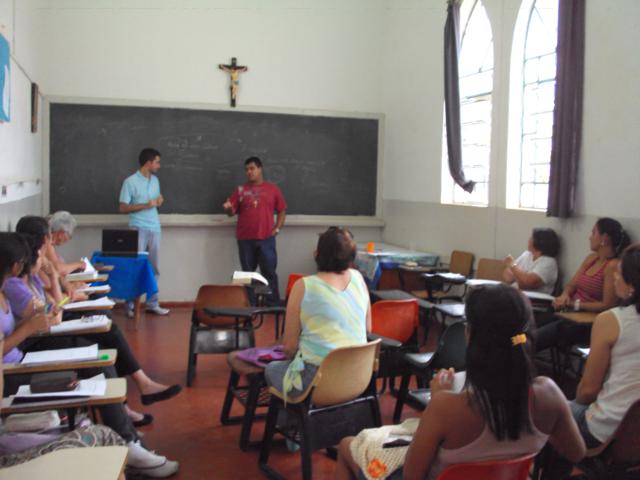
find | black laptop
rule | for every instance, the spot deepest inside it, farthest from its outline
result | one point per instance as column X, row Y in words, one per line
column 120, row 243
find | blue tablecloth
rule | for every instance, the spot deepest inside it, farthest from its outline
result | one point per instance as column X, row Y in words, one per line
column 130, row 277
column 388, row 257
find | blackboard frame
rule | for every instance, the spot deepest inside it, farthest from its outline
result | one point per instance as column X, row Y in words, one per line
column 217, row 219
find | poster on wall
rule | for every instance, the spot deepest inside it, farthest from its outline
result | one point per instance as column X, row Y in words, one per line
column 5, row 80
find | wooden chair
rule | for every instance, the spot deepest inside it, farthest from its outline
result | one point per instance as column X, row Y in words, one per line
column 398, row 320
column 460, row 263
column 340, row 401
column 490, row 269
column 217, row 334
column 451, row 353
column 620, row 453
column 512, row 469
column 251, row 395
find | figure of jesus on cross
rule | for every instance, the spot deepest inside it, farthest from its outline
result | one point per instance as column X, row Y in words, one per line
column 234, row 70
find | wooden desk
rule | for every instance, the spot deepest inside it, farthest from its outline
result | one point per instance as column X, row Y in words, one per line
column 578, row 317
column 18, row 368
column 98, row 463
column 116, row 393
column 101, row 267
column 80, row 331
column 90, row 308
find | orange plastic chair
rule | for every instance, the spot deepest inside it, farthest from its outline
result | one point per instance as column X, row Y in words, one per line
column 396, row 319
column 512, row 469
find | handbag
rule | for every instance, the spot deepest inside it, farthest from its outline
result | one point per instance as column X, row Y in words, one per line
column 62, row 381
column 381, row 451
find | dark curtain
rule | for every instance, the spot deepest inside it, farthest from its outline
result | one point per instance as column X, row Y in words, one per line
column 567, row 114
column 452, row 95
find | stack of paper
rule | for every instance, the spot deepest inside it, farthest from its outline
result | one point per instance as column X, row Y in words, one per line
column 84, row 323
column 91, row 387
column 95, row 289
column 476, row 282
column 245, row 278
column 87, row 265
column 544, row 297
column 99, row 303
column 62, row 355
column 82, row 277
column 454, row 277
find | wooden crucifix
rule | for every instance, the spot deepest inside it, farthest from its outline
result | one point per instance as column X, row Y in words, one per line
column 234, row 70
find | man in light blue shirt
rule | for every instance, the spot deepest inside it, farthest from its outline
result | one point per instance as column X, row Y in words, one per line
column 140, row 197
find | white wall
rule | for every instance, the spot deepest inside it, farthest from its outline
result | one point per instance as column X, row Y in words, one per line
column 20, row 150
column 608, row 175
column 354, row 56
column 301, row 55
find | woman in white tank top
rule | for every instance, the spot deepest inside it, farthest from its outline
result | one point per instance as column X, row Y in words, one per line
column 502, row 412
column 611, row 380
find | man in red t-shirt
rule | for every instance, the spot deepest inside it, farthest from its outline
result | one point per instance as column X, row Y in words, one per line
column 255, row 203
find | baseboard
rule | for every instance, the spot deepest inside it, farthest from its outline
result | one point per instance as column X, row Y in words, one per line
column 168, row 304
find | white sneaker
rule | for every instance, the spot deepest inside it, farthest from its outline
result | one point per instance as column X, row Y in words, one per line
column 158, row 310
column 148, row 463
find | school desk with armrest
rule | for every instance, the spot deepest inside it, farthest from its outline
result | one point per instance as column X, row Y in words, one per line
column 116, row 393
column 106, row 358
column 80, row 330
column 97, row 463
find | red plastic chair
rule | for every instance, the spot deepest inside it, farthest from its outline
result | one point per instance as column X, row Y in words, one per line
column 511, row 469
column 396, row 319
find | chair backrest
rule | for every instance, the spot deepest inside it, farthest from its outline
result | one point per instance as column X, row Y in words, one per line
column 624, row 446
column 345, row 374
column 219, row 296
column 452, row 348
column 511, row 469
column 396, row 319
column 293, row 278
column 461, row 262
column 490, row 269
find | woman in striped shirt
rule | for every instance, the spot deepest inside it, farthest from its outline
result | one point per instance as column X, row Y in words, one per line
column 591, row 288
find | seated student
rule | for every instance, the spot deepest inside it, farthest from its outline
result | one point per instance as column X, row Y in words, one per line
column 54, row 281
column 61, row 224
column 610, row 383
column 590, row 289
column 26, row 296
column 503, row 410
column 325, row 311
column 12, row 256
column 536, row 269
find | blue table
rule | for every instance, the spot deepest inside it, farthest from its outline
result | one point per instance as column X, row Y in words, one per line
column 388, row 257
column 130, row 278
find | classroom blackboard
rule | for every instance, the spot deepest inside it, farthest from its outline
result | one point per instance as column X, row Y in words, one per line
column 324, row 165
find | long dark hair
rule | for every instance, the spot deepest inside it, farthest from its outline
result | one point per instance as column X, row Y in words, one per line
column 499, row 365
column 630, row 267
column 32, row 245
column 613, row 229
column 12, row 251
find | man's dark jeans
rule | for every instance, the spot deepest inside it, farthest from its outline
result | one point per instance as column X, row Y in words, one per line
column 254, row 253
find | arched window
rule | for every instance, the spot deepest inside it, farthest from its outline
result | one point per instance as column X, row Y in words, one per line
column 475, row 68
column 532, row 95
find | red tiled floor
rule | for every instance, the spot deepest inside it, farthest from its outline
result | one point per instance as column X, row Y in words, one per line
column 187, row 428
